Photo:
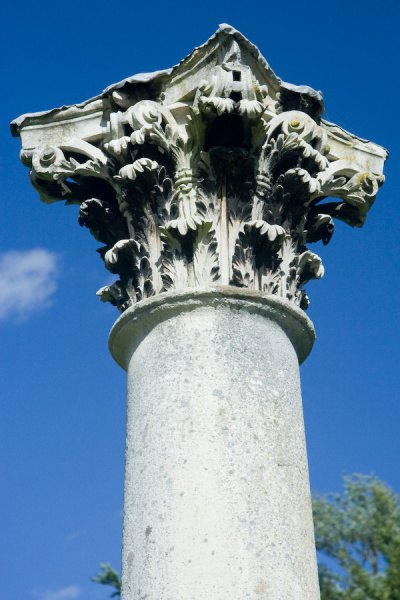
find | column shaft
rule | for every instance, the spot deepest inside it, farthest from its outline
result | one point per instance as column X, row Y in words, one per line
column 217, row 501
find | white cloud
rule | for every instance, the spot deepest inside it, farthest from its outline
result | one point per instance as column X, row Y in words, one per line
column 66, row 593
column 27, row 281
column 73, row 535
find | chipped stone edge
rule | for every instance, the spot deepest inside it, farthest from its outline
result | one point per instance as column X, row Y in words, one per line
column 138, row 320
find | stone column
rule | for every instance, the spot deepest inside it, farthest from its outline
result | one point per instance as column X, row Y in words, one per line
column 206, row 184
column 217, row 496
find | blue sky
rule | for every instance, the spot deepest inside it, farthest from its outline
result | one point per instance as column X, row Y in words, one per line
column 63, row 407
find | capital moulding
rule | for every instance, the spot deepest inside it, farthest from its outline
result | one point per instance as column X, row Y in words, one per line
column 136, row 322
column 212, row 173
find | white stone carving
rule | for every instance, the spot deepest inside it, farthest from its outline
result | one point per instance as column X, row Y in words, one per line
column 216, row 496
column 214, row 172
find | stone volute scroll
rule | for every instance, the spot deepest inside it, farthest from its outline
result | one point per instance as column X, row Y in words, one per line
column 207, row 185
column 214, row 172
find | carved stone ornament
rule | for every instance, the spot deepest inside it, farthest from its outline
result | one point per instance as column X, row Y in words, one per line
column 214, row 172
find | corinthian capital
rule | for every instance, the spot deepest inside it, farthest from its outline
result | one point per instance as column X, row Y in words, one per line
column 214, row 172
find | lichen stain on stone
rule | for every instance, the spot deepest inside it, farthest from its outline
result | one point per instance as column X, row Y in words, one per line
column 221, row 417
column 148, row 531
column 260, row 587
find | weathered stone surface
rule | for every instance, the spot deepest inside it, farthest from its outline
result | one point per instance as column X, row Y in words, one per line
column 209, row 173
column 206, row 183
column 217, row 500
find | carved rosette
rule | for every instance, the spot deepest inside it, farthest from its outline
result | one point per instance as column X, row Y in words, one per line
column 227, row 185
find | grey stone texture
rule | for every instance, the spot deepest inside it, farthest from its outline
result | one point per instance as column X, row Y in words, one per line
column 217, row 501
column 214, row 172
column 206, row 185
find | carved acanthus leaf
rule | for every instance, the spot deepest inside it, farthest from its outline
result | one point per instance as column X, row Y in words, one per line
column 138, row 166
column 205, row 256
column 214, row 179
column 243, row 267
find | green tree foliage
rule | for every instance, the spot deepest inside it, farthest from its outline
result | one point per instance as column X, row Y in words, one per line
column 109, row 577
column 360, row 532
